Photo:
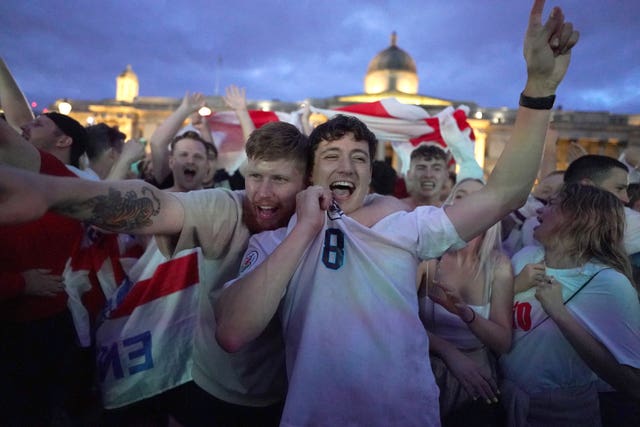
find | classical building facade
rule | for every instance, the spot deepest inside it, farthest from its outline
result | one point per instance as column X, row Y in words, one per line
column 391, row 73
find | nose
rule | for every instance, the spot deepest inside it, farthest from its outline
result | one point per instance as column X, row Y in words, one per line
column 265, row 189
column 345, row 166
column 624, row 197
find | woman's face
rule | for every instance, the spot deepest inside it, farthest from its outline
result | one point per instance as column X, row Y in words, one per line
column 551, row 220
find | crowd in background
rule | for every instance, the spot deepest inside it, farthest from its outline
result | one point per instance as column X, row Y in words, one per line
column 143, row 285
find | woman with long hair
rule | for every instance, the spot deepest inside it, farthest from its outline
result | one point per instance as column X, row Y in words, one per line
column 468, row 317
column 577, row 328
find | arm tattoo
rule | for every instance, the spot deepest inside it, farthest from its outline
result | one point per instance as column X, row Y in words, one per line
column 118, row 213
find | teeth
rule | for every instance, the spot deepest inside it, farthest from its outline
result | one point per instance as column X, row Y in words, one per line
column 342, row 184
column 428, row 185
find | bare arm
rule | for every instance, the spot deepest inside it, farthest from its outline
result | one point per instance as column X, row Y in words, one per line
column 547, row 50
column 202, row 125
column 167, row 130
column 496, row 331
column 132, row 151
column 621, row 377
column 12, row 100
column 236, row 99
column 304, row 120
column 16, row 151
column 245, row 308
column 131, row 206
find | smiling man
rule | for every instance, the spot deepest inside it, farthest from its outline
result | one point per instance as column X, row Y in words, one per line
column 239, row 389
column 345, row 293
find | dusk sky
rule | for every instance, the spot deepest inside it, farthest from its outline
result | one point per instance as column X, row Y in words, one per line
column 292, row 50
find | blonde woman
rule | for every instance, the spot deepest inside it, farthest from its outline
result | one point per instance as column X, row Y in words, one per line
column 577, row 329
column 466, row 309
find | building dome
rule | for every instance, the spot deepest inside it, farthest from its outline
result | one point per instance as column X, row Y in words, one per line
column 392, row 70
column 392, row 58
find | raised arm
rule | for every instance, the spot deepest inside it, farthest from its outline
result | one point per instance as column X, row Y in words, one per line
column 16, row 151
column 245, row 308
column 132, row 151
column 167, row 130
column 13, row 102
column 202, row 126
column 547, row 50
column 236, row 99
column 131, row 206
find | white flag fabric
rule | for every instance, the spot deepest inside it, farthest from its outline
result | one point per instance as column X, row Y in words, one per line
column 145, row 338
column 93, row 272
column 406, row 126
column 228, row 137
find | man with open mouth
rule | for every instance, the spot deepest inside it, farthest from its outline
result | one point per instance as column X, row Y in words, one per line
column 345, row 293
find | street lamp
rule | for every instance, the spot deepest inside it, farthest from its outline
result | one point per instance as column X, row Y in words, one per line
column 64, row 107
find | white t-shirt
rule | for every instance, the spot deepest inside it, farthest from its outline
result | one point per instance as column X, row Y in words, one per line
column 356, row 350
column 254, row 376
column 607, row 307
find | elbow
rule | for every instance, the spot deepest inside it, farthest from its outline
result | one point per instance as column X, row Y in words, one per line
column 228, row 340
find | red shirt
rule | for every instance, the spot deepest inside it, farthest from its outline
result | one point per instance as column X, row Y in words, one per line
column 45, row 243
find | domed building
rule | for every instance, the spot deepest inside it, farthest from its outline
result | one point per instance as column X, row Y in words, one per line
column 393, row 73
column 391, row 70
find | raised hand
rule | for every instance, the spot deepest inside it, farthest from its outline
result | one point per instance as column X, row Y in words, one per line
column 547, row 50
column 192, row 102
column 311, row 205
column 133, row 151
column 235, row 98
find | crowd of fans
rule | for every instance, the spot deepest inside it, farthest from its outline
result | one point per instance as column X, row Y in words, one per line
column 142, row 285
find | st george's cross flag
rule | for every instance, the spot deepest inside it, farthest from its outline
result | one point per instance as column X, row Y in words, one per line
column 144, row 339
column 92, row 273
column 405, row 126
column 408, row 126
column 228, row 138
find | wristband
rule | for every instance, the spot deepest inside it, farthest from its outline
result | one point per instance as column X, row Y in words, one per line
column 472, row 317
column 544, row 103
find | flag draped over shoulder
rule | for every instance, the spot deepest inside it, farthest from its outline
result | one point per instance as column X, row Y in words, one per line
column 145, row 336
